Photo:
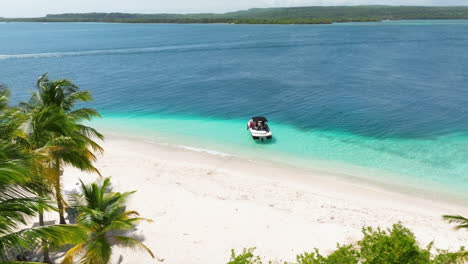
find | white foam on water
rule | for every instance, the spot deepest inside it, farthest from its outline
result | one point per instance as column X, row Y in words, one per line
column 82, row 53
column 112, row 51
column 209, row 151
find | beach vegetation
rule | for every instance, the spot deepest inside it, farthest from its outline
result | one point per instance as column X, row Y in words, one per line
column 247, row 256
column 102, row 213
column 50, row 131
column 343, row 255
column 54, row 128
column 37, row 139
column 18, row 196
column 394, row 245
column 461, row 223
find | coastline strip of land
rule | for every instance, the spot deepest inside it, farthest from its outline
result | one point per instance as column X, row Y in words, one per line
column 287, row 15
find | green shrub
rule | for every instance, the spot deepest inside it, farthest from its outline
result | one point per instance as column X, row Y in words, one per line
column 445, row 257
column 343, row 255
column 396, row 245
column 246, row 257
column 392, row 246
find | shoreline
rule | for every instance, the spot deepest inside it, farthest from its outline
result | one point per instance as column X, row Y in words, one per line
column 346, row 174
column 203, row 205
column 339, row 170
column 409, row 165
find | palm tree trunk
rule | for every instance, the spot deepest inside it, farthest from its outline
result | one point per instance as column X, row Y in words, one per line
column 58, row 193
column 45, row 247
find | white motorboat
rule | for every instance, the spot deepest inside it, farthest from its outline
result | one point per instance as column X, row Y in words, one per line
column 258, row 128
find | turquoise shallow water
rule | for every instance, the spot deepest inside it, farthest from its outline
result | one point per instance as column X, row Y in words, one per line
column 434, row 164
column 387, row 97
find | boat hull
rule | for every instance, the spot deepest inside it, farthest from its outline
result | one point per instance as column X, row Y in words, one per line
column 259, row 134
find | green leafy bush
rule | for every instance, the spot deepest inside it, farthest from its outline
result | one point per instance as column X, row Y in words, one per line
column 396, row 245
column 246, row 257
column 445, row 257
column 343, row 255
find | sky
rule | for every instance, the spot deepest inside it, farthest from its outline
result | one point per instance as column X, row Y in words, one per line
column 37, row 8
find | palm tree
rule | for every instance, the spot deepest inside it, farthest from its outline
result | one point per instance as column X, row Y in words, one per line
column 72, row 141
column 17, row 202
column 17, row 193
column 102, row 212
column 43, row 128
column 11, row 119
column 461, row 223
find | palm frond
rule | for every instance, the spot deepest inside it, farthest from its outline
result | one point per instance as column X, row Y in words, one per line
column 4, row 95
column 462, row 222
column 31, row 237
column 20, row 262
column 13, row 211
column 132, row 243
column 102, row 212
column 73, row 253
column 76, row 96
column 84, row 114
column 98, row 250
column 463, row 257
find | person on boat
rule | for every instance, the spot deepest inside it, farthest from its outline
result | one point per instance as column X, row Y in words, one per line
column 260, row 125
column 251, row 124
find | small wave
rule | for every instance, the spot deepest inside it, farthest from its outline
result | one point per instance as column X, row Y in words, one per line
column 202, row 47
column 209, row 151
column 97, row 52
column 118, row 51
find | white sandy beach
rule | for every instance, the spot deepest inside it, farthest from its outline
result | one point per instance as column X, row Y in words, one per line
column 204, row 205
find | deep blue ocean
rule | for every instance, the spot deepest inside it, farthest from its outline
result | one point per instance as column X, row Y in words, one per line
column 389, row 97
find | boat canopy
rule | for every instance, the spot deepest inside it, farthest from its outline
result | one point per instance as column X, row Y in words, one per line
column 259, row 118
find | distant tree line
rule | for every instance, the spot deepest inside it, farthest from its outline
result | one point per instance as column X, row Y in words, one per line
column 292, row 15
column 196, row 20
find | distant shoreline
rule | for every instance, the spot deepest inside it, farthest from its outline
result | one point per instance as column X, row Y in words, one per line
column 226, row 23
column 291, row 15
